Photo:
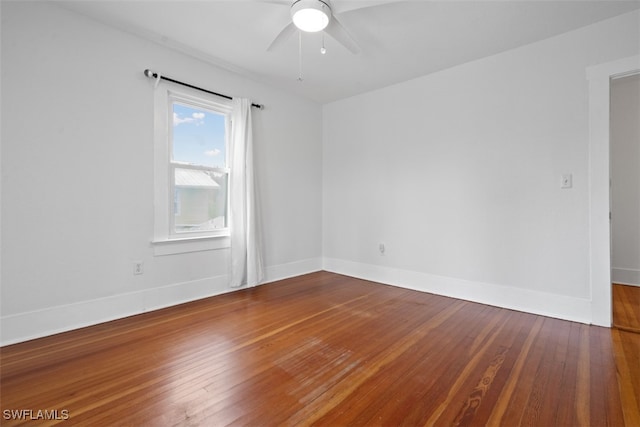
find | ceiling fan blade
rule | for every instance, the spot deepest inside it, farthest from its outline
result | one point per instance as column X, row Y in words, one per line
column 280, row 2
column 338, row 32
column 281, row 38
column 341, row 6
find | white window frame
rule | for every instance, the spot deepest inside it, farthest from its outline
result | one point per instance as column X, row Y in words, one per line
column 166, row 241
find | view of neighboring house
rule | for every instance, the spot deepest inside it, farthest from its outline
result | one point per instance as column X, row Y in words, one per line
column 199, row 200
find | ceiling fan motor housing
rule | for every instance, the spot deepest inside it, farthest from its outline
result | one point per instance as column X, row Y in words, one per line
column 310, row 15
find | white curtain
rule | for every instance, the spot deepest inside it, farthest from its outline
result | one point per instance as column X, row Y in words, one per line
column 246, row 254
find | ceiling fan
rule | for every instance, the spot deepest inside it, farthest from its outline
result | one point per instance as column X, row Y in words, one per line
column 321, row 15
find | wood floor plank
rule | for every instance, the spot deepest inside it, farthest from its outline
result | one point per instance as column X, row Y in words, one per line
column 513, row 340
column 567, row 409
column 326, row 349
column 471, row 368
column 626, row 307
column 626, row 351
column 514, row 380
column 604, row 386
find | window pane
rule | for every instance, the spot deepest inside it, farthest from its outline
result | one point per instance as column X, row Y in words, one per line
column 198, row 136
column 200, row 200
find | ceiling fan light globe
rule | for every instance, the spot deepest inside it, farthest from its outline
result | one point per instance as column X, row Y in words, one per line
column 310, row 15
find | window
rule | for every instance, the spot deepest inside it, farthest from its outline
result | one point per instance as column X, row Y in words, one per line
column 191, row 171
column 198, row 166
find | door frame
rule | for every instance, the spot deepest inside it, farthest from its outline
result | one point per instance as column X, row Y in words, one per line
column 599, row 77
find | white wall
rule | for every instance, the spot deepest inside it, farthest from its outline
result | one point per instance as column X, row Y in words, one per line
column 77, row 189
column 625, row 180
column 459, row 172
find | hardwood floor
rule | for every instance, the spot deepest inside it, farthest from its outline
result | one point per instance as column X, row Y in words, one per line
column 626, row 307
column 326, row 349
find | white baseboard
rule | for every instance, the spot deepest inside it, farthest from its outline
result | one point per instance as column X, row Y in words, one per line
column 544, row 304
column 52, row 320
column 292, row 269
column 625, row 276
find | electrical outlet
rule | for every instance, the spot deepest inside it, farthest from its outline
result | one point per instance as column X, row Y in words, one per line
column 138, row 268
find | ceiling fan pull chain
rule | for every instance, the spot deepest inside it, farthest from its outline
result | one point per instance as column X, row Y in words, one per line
column 323, row 50
column 299, row 56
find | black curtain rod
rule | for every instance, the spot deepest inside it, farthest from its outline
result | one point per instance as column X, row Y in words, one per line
column 151, row 74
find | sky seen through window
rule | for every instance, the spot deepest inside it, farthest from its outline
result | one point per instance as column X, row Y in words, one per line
column 198, row 136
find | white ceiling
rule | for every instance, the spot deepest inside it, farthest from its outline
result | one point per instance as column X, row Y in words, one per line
column 400, row 40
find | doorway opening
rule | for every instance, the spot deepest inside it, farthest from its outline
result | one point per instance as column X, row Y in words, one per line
column 624, row 171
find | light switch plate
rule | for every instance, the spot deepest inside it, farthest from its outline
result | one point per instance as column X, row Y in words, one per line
column 567, row 181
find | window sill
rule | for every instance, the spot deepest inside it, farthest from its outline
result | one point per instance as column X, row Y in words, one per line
column 189, row 244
